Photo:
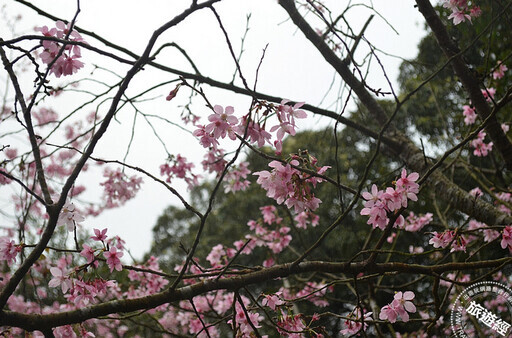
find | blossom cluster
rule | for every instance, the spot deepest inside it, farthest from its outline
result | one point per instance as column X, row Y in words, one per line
column 178, row 166
column 67, row 63
column 379, row 202
column 461, row 10
column 449, row 237
column 481, row 148
column 119, row 188
column 354, row 323
column 290, row 186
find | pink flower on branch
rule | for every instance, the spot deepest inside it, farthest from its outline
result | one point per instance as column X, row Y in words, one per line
column 469, row 115
column 379, row 203
column 88, row 253
column 400, row 306
column 69, row 216
column 8, row 250
column 481, row 149
column 500, row 70
column 506, row 241
column 290, row 186
column 119, row 188
column 273, row 300
column 222, row 122
column 67, row 63
column 61, row 278
column 99, row 235
column 180, row 168
column 355, row 324
column 113, row 260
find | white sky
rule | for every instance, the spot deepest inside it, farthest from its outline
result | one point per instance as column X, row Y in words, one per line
column 291, row 69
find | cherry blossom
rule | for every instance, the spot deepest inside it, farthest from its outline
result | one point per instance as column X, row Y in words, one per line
column 255, row 132
column 416, row 223
column 67, row 63
column 119, row 188
column 4, row 180
column 99, row 235
column 379, row 203
column 179, row 168
column 461, row 11
column 500, row 70
column 400, row 306
column 60, row 277
column 442, row 240
column 222, row 122
column 469, row 115
column 88, row 253
column 354, row 324
column 489, row 93
column 290, row 186
column 8, row 250
column 403, row 305
column 69, row 216
column 506, row 240
column 273, row 300
column 481, row 149
column 113, row 260
column 236, row 178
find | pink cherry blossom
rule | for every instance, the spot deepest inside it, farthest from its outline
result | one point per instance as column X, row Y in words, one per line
column 459, row 16
column 414, row 223
column 255, row 132
column 206, row 139
column 67, row 63
column 442, row 240
column 179, row 167
column 69, row 216
column 44, row 116
column 215, row 255
column 407, row 185
column 388, row 312
column 99, row 235
column 400, row 306
column 469, row 115
column 119, row 188
column 292, row 323
column 8, row 250
column 113, row 260
column 61, row 278
column 500, row 70
column 403, row 305
column 88, row 253
column 65, row 331
column 489, row 93
column 355, row 324
column 4, row 180
column 236, row 178
column 481, row 149
column 222, row 122
column 459, row 244
column 506, row 240
column 273, row 300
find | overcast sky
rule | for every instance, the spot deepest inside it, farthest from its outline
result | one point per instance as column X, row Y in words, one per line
column 291, row 69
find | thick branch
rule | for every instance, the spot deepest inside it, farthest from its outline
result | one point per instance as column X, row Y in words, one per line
column 33, row 322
